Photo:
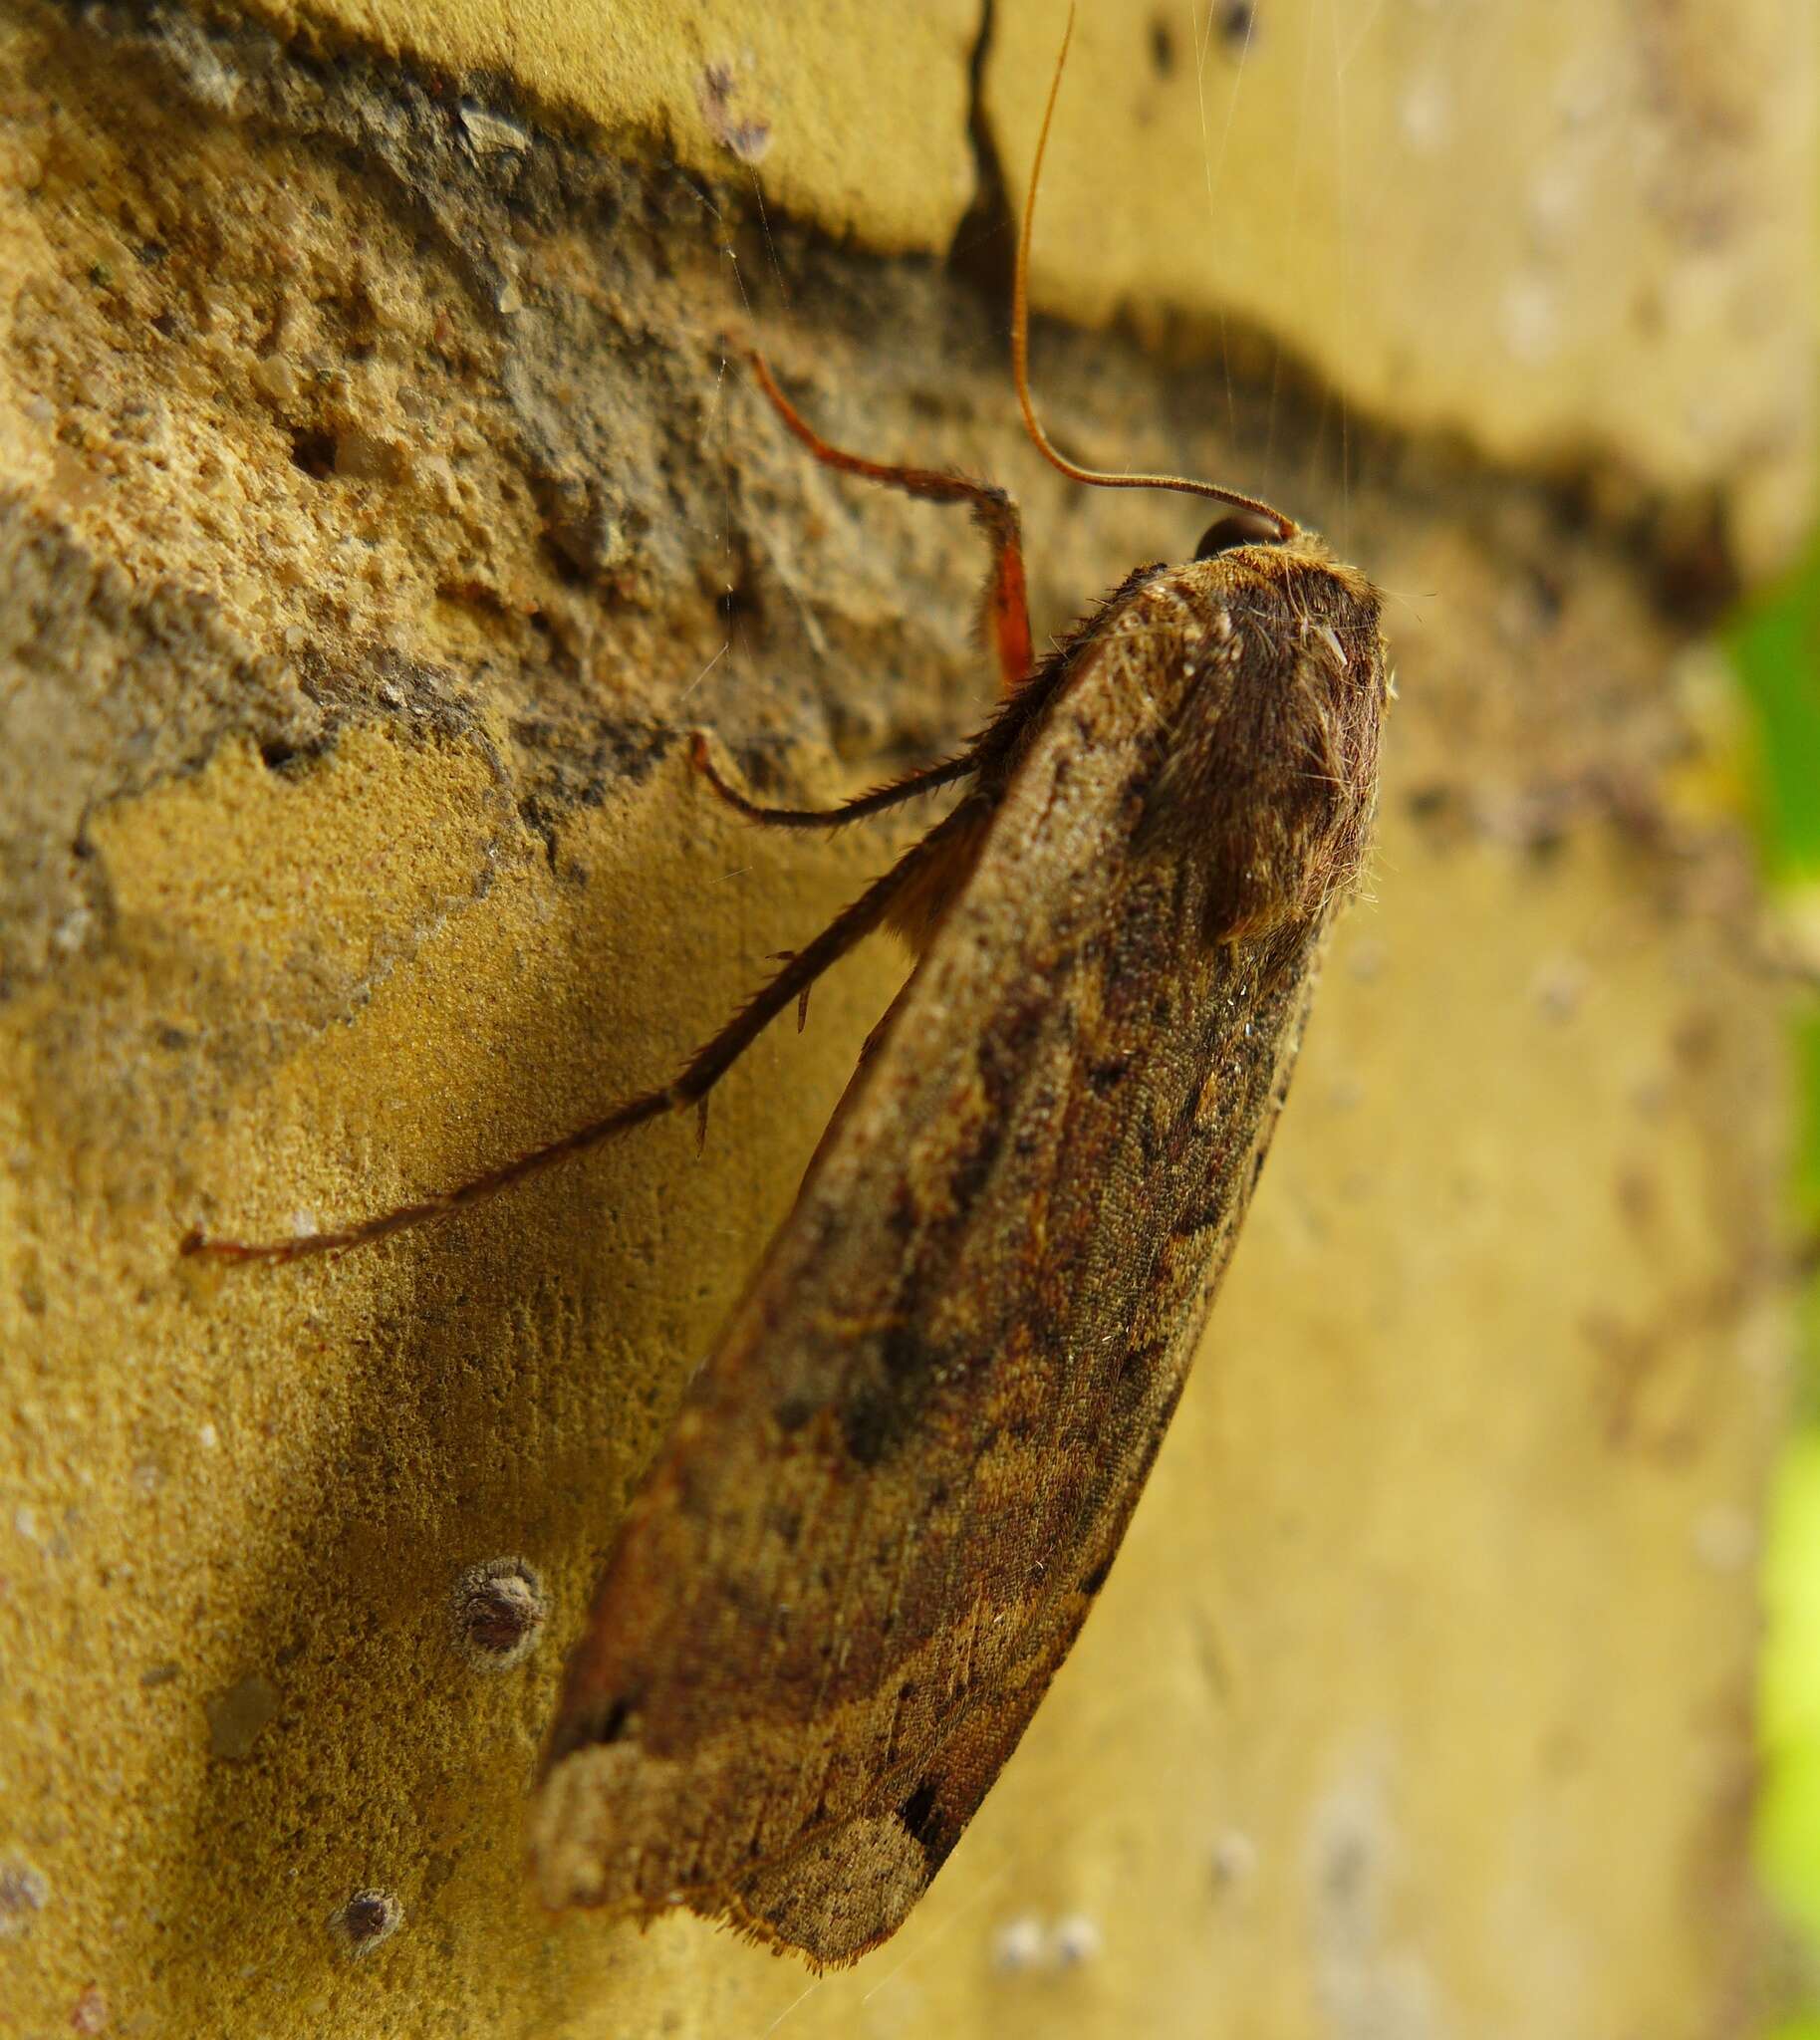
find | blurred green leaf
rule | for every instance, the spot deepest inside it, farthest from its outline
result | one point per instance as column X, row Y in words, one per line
column 1775, row 646
column 1788, row 1817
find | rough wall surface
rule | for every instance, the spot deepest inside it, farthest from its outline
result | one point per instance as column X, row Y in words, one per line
column 381, row 502
column 1541, row 226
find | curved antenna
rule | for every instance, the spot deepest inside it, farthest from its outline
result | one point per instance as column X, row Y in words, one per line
column 1020, row 358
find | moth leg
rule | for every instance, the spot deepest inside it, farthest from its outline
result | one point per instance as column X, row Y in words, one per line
column 949, row 839
column 930, row 779
column 1005, row 603
column 911, row 875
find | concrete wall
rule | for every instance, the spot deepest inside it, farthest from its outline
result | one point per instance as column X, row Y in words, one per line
column 382, row 495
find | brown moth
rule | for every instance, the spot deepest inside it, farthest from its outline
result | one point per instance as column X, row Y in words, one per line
column 897, row 1485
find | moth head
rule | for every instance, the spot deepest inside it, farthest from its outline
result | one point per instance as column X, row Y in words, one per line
column 1238, row 528
column 1269, row 784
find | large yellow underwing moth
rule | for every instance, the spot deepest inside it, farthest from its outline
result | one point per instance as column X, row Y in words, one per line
column 897, row 1485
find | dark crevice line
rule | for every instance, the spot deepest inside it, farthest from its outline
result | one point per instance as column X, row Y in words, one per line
column 984, row 249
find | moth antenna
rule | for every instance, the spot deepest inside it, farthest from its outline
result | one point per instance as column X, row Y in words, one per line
column 1020, row 357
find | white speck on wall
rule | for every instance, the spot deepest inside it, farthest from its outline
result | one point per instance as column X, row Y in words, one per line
column 1582, row 98
column 1368, row 1977
column 1017, row 1947
column 1366, row 959
column 24, row 1893
column 210, row 1438
column 1073, row 1940
column 1026, row 1946
column 1234, row 1858
column 25, row 1522
column 1425, row 112
column 90, row 2012
column 1560, row 987
column 72, row 931
column 1529, row 319
column 1724, row 1539
column 1701, row 421
column 1556, row 203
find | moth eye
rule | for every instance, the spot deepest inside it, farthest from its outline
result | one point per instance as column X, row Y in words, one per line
column 1237, row 528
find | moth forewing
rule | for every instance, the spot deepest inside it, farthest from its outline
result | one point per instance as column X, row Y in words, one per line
column 901, row 1477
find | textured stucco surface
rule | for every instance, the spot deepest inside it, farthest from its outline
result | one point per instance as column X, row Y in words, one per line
column 799, row 96
column 1551, row 228
column 378, row 510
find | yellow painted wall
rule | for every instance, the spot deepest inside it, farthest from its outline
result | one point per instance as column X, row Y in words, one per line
column 381, row 497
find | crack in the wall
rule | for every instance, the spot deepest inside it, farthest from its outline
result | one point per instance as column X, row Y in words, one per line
column 985, row 247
